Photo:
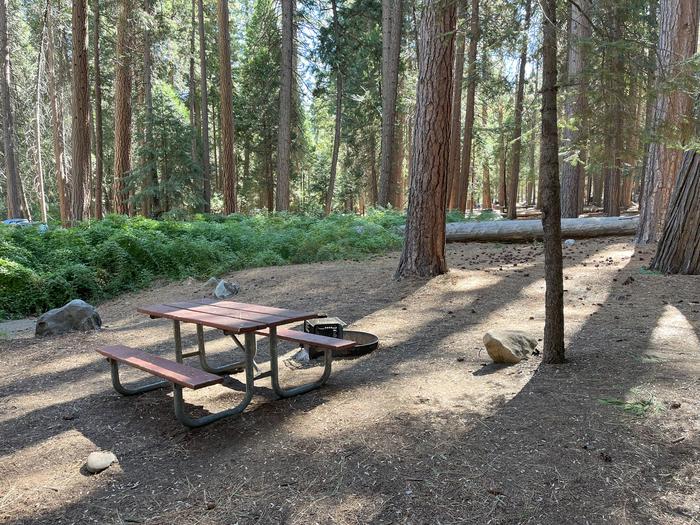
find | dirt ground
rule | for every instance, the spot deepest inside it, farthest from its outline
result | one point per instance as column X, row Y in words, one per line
column 421, row 431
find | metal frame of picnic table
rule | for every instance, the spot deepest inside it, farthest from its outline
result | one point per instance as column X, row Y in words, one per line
column 249, row 347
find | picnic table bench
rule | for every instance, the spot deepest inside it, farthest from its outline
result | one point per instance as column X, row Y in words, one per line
column 234, row 319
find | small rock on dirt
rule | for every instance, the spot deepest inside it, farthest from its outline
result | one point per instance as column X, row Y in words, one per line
column 211, row 283
column 76, row 315
column 569, row 243
column 224, row 289
column 100, row 460
column 508, row 346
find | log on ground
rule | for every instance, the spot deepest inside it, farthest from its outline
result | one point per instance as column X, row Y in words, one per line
column 527, row 230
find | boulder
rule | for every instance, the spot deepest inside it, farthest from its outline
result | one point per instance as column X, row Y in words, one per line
column 224, row 289
column 76, row 315
column 509, row 346
column 100, row 460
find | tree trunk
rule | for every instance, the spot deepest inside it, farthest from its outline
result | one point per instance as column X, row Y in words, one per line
column 551, row 212
column 574, row 107
column 453, row 164
column 338, row 110
column 81, row 110
column 56, row 111
column 678, row 250
column 459, row 190
column 486, row 175
column 518, row 121
column 503, row 156
column 392, row 21
column 204, row 103
column 192, row 86
column 424, row 247
column 613, row 172
column 99, row 143
column 396, row 179
column 284, row 137
column 14, row 191
column 151, row 206
column 226, row 126
column 37, row 114
column 678, row 37
column 122, row 110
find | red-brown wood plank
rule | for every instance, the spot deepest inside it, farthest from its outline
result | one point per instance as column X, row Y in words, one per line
column 227, row 324
column 311, row 339
column 291, row 315
column 177, row 373
column 215, row 309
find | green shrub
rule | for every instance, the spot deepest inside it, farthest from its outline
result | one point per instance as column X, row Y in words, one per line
column 98, row 260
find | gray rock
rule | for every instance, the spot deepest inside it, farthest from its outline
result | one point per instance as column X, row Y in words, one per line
column 100, row 460
column 508, row 346
column 569, row 242
column 224, row 289
column 211, row 284
column 76, row 315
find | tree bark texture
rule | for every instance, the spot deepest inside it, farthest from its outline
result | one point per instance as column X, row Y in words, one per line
column 678, row 37
column 56, row 111
column 453, row 164
column 551, row 212
column 122, row 110
column 81, row 111
column 151, row 205
column 284, row 137
column 574, row 107
column 204, row 103
column 99, row 141
column 486, row 175
column 392, row 21
column 514, row 179
column 228, row 156
column 459, row 190
column 678, row 250
column 338, row 111
column 424, row 247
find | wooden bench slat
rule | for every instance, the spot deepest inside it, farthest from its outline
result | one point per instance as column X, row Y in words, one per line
column 320, row 341
column 177, row 373
column 227, row 324
column 215, row 309
column 290, row 315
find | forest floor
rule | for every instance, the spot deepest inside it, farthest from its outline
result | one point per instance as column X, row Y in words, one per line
column 421, row 431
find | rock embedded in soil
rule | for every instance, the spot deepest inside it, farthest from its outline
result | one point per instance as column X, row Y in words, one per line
column 100, row 460
column 508, row 346
column 224, row 289
column 211, row 283
column 76, row 315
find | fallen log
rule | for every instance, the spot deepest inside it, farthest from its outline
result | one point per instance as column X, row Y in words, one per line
column 528, row 230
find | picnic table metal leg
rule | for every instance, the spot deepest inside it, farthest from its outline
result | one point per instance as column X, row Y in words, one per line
column 186, row 419
column 126, row 391
column 230, row 368
column 274, row 366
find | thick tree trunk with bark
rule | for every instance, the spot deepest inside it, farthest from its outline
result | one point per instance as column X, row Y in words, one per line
column 56, row 111
column 192, row 87
column 551, row 212
column 459, row 190
column 204, row 103
column 81, row 111
column 453, row 164
column 678, row 250
column 614, row 142
column 514, row 179
column 284, row 137
column 424, row 247
column 122, row 110
column 574, row 106
column 338, row 111
column 678, row 37
column 392, row 21
column 396, row 181
column 228, row 156
column 99, row 142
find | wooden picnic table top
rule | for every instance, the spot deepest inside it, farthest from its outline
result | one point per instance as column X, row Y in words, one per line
column 229, row 316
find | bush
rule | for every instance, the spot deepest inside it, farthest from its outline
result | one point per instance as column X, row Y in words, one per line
column 98, row 260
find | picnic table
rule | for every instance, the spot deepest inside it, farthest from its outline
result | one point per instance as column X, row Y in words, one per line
column 234, row 319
